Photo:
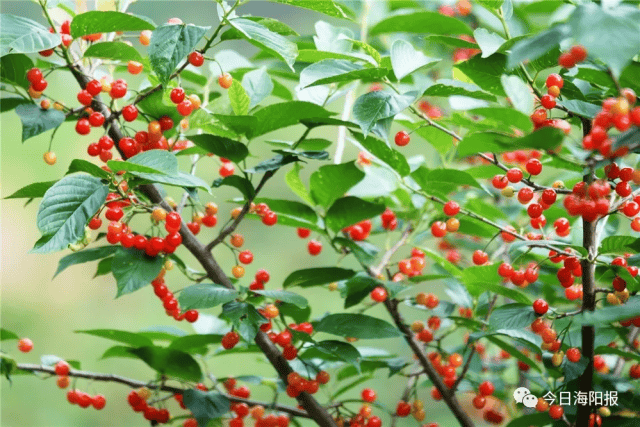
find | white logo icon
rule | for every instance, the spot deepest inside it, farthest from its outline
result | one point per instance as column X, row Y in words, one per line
column 524, row 396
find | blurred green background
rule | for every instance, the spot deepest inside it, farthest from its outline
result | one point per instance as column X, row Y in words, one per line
column 49, row 311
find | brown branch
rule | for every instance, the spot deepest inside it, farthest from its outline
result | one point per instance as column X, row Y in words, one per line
column 245, row 209
column 161, row 387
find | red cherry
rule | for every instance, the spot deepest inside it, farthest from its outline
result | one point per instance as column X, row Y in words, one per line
column 39, row 85
column 379, row 294
column 505, row 270
column 83, row 127
column 402, row 138
column 556, row 411
column 118, row 89
column 479, row 401
column 34, row 75
column 105, row 143
column 226, row 170
column 270, row 218
column 196, row 59
column 96, row 119
column 314, row 247
column 94, row 87
column 578, row 53
column 548, row 101
column 166, row 123
column 194, row 227
column 451, row 208
column 177, row 95
column 554, row 80
column 438, row 229
column 245, row 257
column 480, row 257
column 98, row 401
column 533, row 166
column 369, row 395
column 403, row 409
column 303, row 233
column 62, row 368
column 514, row 175
column 486, row 388
column 540, row 306
column 130, row 113
column 573, row 355
column 185, row 107
column 262, row 276
column 191, row 315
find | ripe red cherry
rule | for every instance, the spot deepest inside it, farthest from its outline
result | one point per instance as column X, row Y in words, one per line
column 196, row 59
column 191, row 315
column 438, row 229
column 62, row 368
column 230, row 340
column 95, row 223
column 130, row 113
column 185, row 107
column 479, row 401
column 39, row 85
column 379, row 294
column 556, row 411
column 314, row 247
column 369, row 395
column 177, row 95
column 548, row 101
column 96, row 119
column 623, row 189
column 534, row 210
column 451, row 208
column 270, row 218
column 554, row 80
column 262, row 276
column 480, row 257
column 525, row 195
column 573, row 355
column 486, row 388
column 303, row 233
column 402, row 138
column 514, row 175
column 194, row 227
column 227, row 169
column 534, row 167
column 25, row 345
column 105, row 143
column 34, row 75
column 98, row 401
column 245, row 257
column 83, row 126
column 578, row 53
column 403, row 409
column 540, row 306
column 94, row 87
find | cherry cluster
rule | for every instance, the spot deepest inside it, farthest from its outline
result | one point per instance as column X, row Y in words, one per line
column 297, row 384
column 62, row 370
column 138, row 401
column 314, row 247
column 242, row 410
column 441, row 228
column 169, row 302
column 389, row 220
column 539, row 118
column 230, row 384
column 412, row 266
column 615, row 113
column 84, row 400
column 360, row 231
column 573, row 56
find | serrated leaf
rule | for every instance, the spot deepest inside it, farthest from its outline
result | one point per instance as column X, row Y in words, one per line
column 536, row 46
column 363, row 251
column 405, row 59
column 80, row 165
column 258, row 86
column 326, row 7
column 489, row 42
column 512, row 316
column 13, row 70
column 448, row 87
column 285, row 296
column 330, row 182
column 238, row 98
column 337, row 71
column 205, row 406
column 263, row 38
column 66, row 208
column 378, row 105
column 85, row 255
column 221, row 146
column 205, row 295
column 422, row 22
column 239, row 182
column 170, row 44
column 296, row 185
column 32, row 191
column 133, row 269
column 22, row 35
column 616, row 244
column 356, row 326
column 96, row 21
column 317, row 276
column 341, row 350
column 518, row 93
column 115, row 51
column 284, row 114
column 350, row 210
column 169, row 361
column 35, row 120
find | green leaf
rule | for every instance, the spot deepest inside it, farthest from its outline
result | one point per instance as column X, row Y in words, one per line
column 616, row 244
column 292, row 213
column 546, row 138
column 405, row 59
column 263, row 38
column 505, row 116
column 518, row 93
column 605, row 349
column 421, row 22
column 375, row 106
column 245, row 317
column 221, row 146
column 296, row 185
column 358, row 288
column 489, row 42
column 35, row 120
column 169, row 361
column 610, row 314
column 148, row 162
column 170, row 44
column 154, row 105
column 284, row 114
column 80, row 165
column 269, row 23
column 298, row 315
column 448, row 87
column 312, row 55
column 514, row 352
column 600, row 31
column 349, row 211
column 13, row 70
column 534, row 47
column 485, row 72
column 512, row 316
column 239, row 99
column 205, row 295
column 326, row 7
column 272, row 164
column 239, row 182
column 442, row 181
column 205, row 406
column 258, row 86
column 330, row 182
column 85, row 255
column 477, row 288
column 7, row 335
column 115, row 51
column 22, row 35
column 285, row 296
column 133, row 269
column 11, row 102
column 104, row 267
column 451, row 42
column 66, row 208
column 581, row 108
column 340, row 350
column 32, row 191
column 195, row 342
column 356, row 326
column 363, row 251
column 95, row 21
column 337, row 71
column 317, row 276
column 130, row 338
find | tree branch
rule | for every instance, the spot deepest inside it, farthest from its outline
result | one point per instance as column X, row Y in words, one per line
column 161, row 387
